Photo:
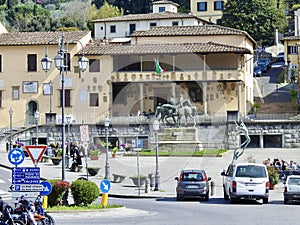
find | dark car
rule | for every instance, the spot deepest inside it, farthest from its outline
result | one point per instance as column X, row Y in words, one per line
column 192, row 184
column 263, row 66
column 257, row 71
column 280, row 57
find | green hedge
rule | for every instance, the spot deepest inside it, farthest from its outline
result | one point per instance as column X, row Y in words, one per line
column 84, row 192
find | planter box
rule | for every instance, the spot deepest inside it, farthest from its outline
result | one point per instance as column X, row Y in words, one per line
column 94, row 157
column 135, row 181
column 93, row 170
column 55, row 161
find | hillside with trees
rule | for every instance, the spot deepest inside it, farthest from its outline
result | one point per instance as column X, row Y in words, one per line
column 258, row 17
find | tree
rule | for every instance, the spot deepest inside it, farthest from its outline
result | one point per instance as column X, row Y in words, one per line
column 259, row 18
column 28, row 17
column 72, row 14
column 107, row 11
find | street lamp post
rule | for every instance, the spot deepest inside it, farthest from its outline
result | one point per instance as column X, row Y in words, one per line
column 107, row 167
column 157, row 177
column 37, row 116
column 10, row 122
column 69, row 121
column 60, row 63
column 51, row 93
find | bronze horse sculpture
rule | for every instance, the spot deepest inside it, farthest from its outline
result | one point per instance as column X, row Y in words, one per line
column 167, row 111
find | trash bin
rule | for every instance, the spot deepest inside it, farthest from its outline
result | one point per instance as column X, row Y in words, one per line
column 152, row 180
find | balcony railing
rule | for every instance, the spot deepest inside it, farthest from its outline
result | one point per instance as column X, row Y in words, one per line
column 207, row 75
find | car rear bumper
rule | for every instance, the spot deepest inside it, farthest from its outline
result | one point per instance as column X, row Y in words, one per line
column 292, row 195
column 247, row 196
column 192, row 193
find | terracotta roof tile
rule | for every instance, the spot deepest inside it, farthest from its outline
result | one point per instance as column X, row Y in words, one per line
column 189, row 31
column 116, row 49
column 39, row 38
column 150, row 16
column 291, row 38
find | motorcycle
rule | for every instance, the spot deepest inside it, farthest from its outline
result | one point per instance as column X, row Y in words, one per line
column 24, row 212
column 6, row 216
column 39, row 210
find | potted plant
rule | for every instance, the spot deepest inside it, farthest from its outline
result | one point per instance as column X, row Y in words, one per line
column 139, row 180
column 57, row 159
column 273, row 177
column 94, row 154
column 114, row 152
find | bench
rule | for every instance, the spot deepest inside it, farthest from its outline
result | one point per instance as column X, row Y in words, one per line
column 118, row 178
column 45, row 158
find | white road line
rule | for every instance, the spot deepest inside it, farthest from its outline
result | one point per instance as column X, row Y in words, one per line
column 2, row 181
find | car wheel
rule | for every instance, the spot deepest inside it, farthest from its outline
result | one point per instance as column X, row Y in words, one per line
column 226, row 197
column 285, row 201
column 265, row 200
column 206, row 197
column 232, row 200
column 178, row 198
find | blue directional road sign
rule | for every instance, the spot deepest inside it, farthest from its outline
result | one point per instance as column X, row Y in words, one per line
column 47, row 188
column 16, row 156
column 105, row 186
column 26, row 175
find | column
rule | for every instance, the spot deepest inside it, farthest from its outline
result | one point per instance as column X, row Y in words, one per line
column 141, row 85
column 204, row 88
column 239, row 97
column 173, row 90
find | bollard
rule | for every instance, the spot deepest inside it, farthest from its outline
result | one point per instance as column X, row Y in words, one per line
column 212, row 188
column 45, row 202
column 152, row 181
column 147, row 185
column 104, row 199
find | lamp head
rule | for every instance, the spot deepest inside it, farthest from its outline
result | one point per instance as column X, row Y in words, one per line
column 46, row 63
column 83, row 63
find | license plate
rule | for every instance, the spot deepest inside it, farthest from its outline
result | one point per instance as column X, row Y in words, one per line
column 192, row 186
column 250, row 184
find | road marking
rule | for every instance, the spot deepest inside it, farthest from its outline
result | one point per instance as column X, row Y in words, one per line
column 259, row 91
column 5, row 195
column 2, row 181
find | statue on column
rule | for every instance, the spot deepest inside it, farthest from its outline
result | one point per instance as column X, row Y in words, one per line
column 238, row 152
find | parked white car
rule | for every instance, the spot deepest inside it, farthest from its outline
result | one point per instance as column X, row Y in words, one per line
column 246, row 181
column 292, row 188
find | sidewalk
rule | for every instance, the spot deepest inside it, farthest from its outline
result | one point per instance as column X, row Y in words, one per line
column 169, row 168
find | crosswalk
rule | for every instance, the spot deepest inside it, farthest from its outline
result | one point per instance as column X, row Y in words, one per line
column 6, row 196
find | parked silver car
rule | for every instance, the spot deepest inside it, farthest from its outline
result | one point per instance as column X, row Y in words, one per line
column 292, row 188
column 192, row 183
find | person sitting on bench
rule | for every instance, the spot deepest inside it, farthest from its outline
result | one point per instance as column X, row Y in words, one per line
column 76, row 159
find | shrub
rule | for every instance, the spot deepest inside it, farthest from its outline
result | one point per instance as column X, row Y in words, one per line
column 59, row 189
column 84, row 192
column 273, row 175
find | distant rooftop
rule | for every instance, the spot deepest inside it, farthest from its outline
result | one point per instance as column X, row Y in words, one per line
column 149, row 16
column 39, row 38
column 99, row 48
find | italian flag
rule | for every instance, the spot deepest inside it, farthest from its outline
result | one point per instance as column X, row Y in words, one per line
column 158, row 68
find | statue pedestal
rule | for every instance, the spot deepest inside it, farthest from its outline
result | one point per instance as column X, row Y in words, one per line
column 182, row 139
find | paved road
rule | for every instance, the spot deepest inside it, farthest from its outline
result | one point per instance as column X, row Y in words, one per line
column 269, row 90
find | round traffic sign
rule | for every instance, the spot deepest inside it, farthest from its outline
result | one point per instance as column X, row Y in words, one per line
column 105, row 186
column 47, row 188
column 16, row 156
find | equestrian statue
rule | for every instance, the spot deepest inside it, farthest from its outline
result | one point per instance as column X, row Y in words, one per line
column 176, row 111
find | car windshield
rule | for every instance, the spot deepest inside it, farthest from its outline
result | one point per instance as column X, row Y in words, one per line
column 294, row 181
column 251, row 171
column 192, row 176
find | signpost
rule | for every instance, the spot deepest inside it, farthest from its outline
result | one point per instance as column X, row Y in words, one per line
column 26, row 180
column 36, row 152
column 47, row 188
column 16, row 156
column 104, row 187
